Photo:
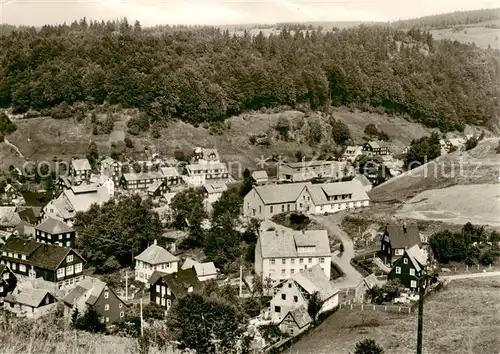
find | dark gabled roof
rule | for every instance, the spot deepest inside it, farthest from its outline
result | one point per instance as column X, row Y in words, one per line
column 18, row 245
column 178, row 282
column 29, row 214
column 54, row 227
column 49, row 256
column 401, row 239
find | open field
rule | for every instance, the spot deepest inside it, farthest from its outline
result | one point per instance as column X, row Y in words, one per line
column 480, row 165
column 475, row 33
column 67, row 138
column 464, row 318
column 478, row 204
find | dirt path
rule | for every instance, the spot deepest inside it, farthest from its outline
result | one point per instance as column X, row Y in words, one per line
column 471, row 275
column 16, row 149
column 352, row 276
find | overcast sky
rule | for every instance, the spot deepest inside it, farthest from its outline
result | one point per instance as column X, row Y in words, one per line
column 152, row 12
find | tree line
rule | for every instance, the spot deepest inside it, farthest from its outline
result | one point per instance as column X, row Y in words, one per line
column 201, row 74
column 450, row 19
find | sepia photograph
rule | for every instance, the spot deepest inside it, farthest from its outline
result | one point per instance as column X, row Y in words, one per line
column 249, row 177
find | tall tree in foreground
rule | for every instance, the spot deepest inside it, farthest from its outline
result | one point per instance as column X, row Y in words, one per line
column 314, row 305
column 206, row 325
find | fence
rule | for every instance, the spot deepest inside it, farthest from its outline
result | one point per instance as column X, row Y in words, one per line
column 385, row 308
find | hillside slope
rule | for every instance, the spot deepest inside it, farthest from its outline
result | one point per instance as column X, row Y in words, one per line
column 67, row 138
column 477, row 166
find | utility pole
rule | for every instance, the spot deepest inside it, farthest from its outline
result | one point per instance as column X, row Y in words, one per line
column 126, row 285
column 142, row 325
column 421, row 293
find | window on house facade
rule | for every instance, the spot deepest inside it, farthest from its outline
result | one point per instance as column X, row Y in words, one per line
column 292, row 261
column 405, row 261
column 277, row 309
column 289, row 285
column 69, row 258
column 106, row 295
column 106, row 307
column 301, row 260
column 310, row 260
column 322, row 260
column 283, row 271
column 271, row 209
column 413, row 284
column 272, row 261
column 292, row 271
column 412, row 271
column 6, row 276
column 283, row 261
column 78, row 267
column 60, row 237
column 283, row 296
column 295, row 299
column 169, row 303
column 69, row 270
column 399, row 252
column 121, row 305
column 122, row 314
column 283, row 208
column 22, row 268
column 60, row 273
column 398, row 270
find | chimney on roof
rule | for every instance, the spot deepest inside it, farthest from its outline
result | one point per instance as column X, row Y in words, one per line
column 404, row 227
column 155, row 242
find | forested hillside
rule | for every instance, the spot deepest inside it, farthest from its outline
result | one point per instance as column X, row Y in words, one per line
column 450, row 19
column 203, row 74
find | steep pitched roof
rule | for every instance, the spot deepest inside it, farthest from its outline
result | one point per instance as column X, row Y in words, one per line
column 29, row 214
column 188, row 263
column 9, row 216
column 82, row 201
column 169, row 172
column 132, row 176
column 90, row 288
column 203, row 269
column 370, row 281
column 80, row 164
column 18, row 245
column 314, row 279
column 30, row 297
column 280, row 193
column 417, row 257
column 300, row 316
column 401, row 239
column 49, row 256
column 285, row 242
column 155, row 254
column 54, row 227
column 320, row 192
column 178, row 282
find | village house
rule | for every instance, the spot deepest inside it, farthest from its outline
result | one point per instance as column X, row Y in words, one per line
column 199, row 174
column 79, row 171
column 140, row 182
column 13, row 196
column 204, row 271
column 73, row 200
column 112, row 169
column 9, row 218
column 298, row 289
column 55, row 232
column 171, row 176
column 396, row 239
column 158, row 189
column 166, row 288
column 8, row 281
column 327, row 198
column 205, row 156
column 94, row 293
column 308, row 170
column 263, row 202
column 296, row 321
column 61, row 266
column 409, row 267
column 372, row 148
column 260, row 177
column 30, row 302
column 279, row 254
column 366, row 284
column 154, row 258
column 213, row 192
column 351, row 153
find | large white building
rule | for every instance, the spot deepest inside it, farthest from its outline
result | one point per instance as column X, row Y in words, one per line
column 75, row 199
column 263, row 202
column 154, row 258
column 307, row 170
column 282, row 253
column 296, row 291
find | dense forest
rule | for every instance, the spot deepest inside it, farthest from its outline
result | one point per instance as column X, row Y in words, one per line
column 204, row 74
column 447, row 20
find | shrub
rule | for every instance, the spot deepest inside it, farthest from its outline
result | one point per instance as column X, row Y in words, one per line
column 471, row 143
column 128, row 142
column 368, row 346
